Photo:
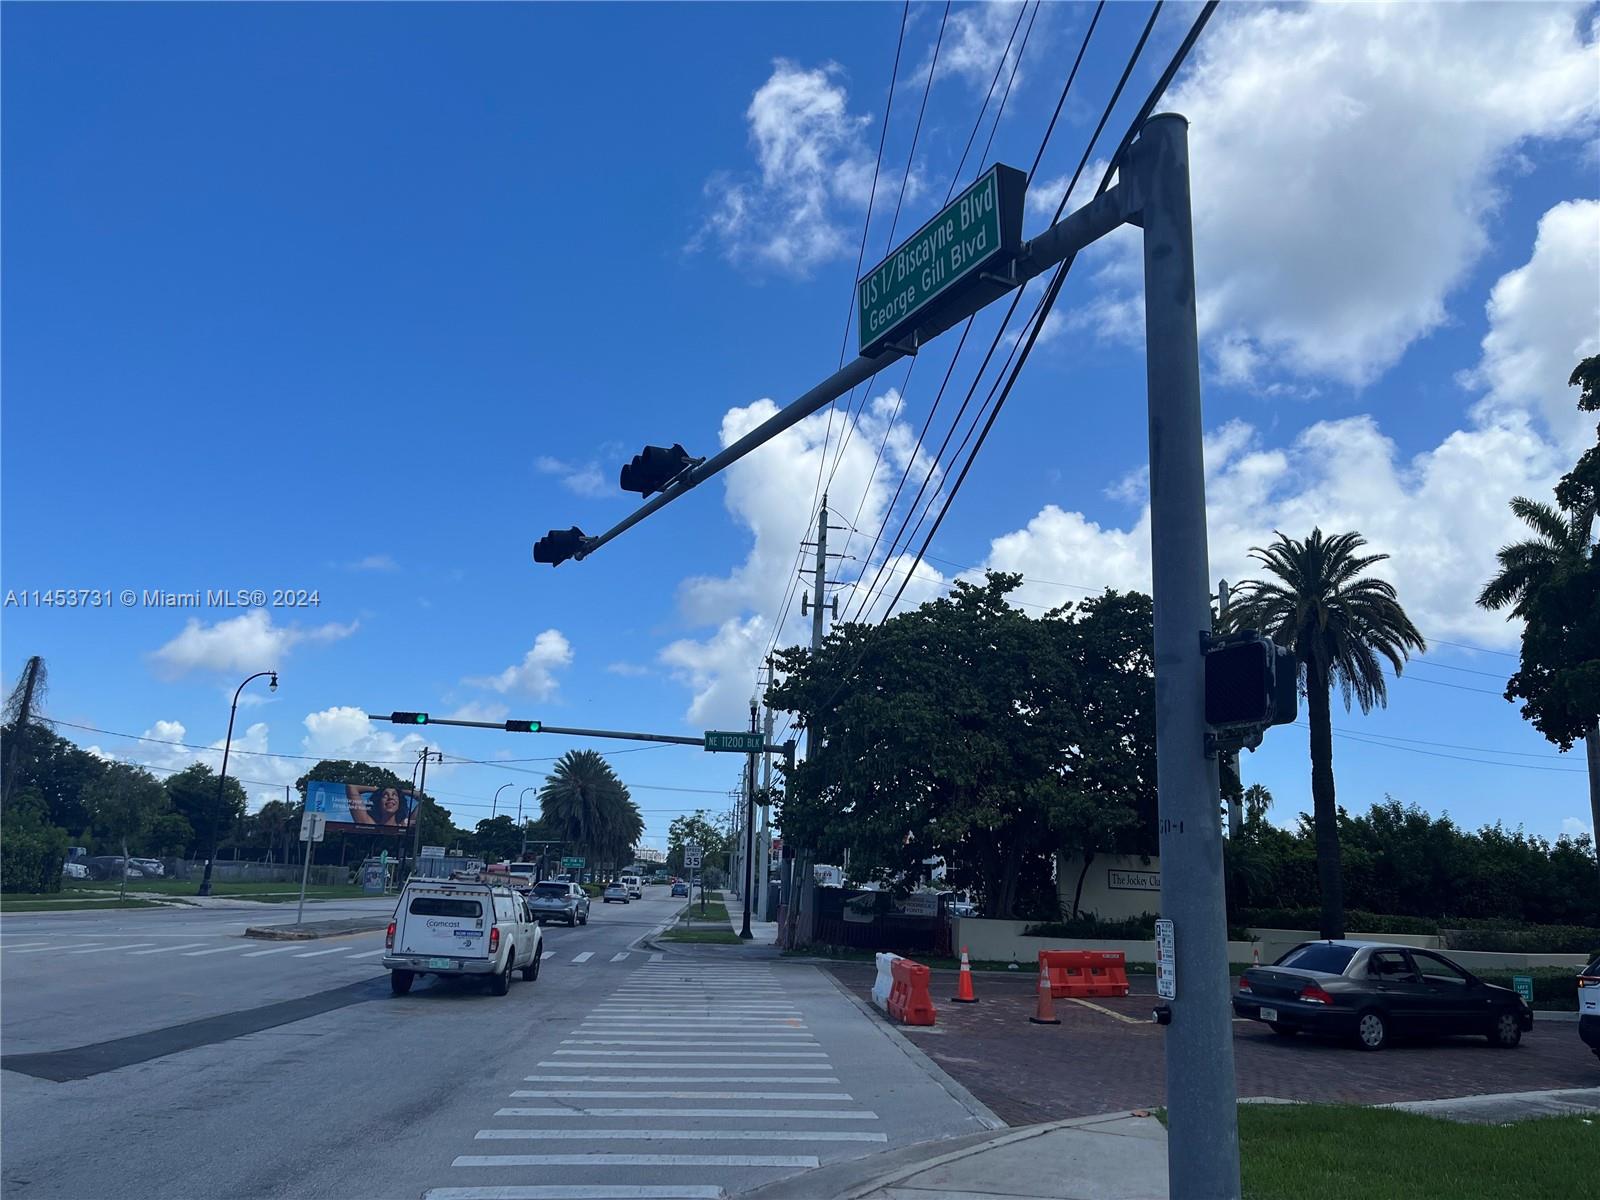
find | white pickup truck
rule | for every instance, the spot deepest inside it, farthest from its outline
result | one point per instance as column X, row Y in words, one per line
column 444, row 927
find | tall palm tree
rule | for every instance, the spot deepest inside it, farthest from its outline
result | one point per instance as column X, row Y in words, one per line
column 1564, row 541
column 1342, row 625
column 590, row 807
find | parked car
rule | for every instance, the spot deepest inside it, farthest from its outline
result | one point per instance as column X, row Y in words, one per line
column 150, row 866
column 680, row 889
column 1374, row 992
column 635, row 886
column 615, row 890
column 73, row 870
column 557, row 900
column 109, row 866
column 1589, row 1006
column 444, row 927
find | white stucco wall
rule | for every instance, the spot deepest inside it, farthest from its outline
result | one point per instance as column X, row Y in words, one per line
column 1117, row 886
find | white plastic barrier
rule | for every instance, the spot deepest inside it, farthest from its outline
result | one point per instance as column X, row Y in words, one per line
column 885, row 980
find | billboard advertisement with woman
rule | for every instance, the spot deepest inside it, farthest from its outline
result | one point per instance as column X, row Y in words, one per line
column 362, row 808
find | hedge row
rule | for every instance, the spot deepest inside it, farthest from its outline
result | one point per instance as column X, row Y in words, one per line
column 1526, row 939
column 1354, row 919
column 31, row 858
column 1554, row 988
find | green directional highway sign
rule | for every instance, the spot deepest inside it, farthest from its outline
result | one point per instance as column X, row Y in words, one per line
column 740, row 741
column 943, row 259
column 571, row 862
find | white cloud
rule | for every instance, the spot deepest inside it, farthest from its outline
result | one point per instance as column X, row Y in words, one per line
column 1544, row 317
column 1346, row 160
column 1576, row 826
column 581, row 480
column 248, row 642
column 628, row 670
column 478, row 710
column 975, row 38
column 374, row 562
column 535, row 675
column 766, row 493
column 813, row 163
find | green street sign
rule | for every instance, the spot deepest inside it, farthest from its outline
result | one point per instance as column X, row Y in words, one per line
column 1524, row 986
column 740, row 741
column 572, row 862
column 976, row 230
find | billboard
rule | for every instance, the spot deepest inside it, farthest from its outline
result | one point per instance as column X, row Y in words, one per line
column 362, row 807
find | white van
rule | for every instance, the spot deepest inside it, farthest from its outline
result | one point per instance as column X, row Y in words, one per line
column 443, row 927
column 635, row 886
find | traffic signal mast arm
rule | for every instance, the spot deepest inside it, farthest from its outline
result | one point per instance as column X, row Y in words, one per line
column 409, row 718
column 1116, row 206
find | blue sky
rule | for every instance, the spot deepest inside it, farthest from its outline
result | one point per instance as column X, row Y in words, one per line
column 362, row 299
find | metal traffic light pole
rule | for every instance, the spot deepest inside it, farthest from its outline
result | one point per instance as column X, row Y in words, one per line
column 1152, row 191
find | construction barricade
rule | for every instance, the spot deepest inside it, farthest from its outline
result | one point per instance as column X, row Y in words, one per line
column 1080, row 974
column 910, row 1001
column 882, row 984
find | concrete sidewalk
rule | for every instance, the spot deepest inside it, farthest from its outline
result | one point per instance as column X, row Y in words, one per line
column 762, row 933
column 1119, row 1156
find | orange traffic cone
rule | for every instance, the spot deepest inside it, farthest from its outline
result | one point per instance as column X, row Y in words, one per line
column 1046, row 1014
column 964, row 986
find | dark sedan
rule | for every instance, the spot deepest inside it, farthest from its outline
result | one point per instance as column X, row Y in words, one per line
column 1375, row 992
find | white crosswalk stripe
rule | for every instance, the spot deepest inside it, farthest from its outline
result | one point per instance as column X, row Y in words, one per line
column 706, row 1046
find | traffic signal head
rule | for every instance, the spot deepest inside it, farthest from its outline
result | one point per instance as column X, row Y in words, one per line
column 558, row 545
column 522, row 727
column 1250, row 681
column 651, row 470
column 409, row 718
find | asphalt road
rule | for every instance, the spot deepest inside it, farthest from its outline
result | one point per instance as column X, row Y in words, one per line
column 157, row 1053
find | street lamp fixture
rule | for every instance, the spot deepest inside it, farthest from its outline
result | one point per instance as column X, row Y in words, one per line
column 222, row 779
column 493, row 808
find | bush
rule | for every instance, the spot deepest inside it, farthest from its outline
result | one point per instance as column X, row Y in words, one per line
column 31, row 856
column 1311, row 918
column 1515, row 937
column 1554, row 988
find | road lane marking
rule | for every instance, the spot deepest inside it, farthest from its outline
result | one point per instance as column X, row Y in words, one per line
column 665, row 1021
column 725, row 1028
column 368, row 954
column 320, row 953
column 680, row 1094
column 806, row 1161
column 657, row 956
column 575, row 1191
column 110, row 949
column 722, row 1041
column 218, row 950
column 1123, row 1017
column 28, row 945
column 688, row 1066
column 764, row 1114
column 547, row 954
column 274, row 950
column 164, row 949
column 45, row 949
column 698, row 1053
column 679, row 1135
column 584, row 957
column 678, row 1079
column 619, row 957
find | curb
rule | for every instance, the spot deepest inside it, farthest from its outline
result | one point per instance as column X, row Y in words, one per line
column 316, row 929
column 860, row 1177
column 981, row 1111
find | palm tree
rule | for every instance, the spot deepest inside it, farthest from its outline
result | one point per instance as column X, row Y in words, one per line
column 589, row 807
column 1564, row 541
column 1342, row 626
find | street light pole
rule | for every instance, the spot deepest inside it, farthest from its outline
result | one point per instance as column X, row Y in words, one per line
column 521, row 796
column 416, row 814
column 222, row 778
column 749, row 825
column 494, row 807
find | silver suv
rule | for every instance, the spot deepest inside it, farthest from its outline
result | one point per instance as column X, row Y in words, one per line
column 554, row 900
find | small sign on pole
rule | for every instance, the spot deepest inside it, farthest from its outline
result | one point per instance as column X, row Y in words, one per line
column 741, row 741
column 313, row 826
column 1524, row 986
column 1166, row 962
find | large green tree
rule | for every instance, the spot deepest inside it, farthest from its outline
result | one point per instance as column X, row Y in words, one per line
column 127, row 801
column 589, row 807
column 194, row 797
column 969, row 730
column 1343, row 625
column 1551, row 582
column 699, row 828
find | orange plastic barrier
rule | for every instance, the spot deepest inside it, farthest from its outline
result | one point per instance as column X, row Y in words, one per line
column 1085, row 973
column 909, row 1000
